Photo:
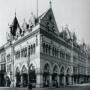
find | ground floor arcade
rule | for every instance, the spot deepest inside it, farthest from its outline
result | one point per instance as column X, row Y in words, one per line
column 2, row 79
column 48, row 78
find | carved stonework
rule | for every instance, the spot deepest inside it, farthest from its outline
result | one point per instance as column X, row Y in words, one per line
column 24, row 26
column 32, row 21
column 50, row 24
column 18, row 32
column 8, row 36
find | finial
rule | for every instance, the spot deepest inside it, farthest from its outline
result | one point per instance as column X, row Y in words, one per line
column 24, row 19
column 37, row 8
column 15, row 13
column 50, row 4
column 67, row 25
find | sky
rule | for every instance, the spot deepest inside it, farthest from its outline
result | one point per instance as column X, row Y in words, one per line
column 74, row 13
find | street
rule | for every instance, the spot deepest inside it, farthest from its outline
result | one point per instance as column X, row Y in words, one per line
column 76, row 87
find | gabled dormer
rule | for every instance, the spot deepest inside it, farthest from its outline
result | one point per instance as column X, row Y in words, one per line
column 15, row 27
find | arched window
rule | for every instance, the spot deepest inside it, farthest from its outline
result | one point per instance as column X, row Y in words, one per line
column 68, row 57
column 55, row 69
column 25, row 52
column 62, row 54
column 24, row 69
column 47, row 68
column 8, row 57
column 36, row 40
column 44, row 47
column 34, row 48
column 57, row 53
column 31, row 49
column 53, row 51
column 21, row 52
column 49, row 49
column 18, row 77
column 62, row 71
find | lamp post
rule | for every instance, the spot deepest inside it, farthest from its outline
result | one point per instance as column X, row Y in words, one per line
column 72, row 59
column 12, row 54
column 11, row 76
column 5, row 76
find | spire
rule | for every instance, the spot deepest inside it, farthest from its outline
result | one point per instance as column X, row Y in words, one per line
column 50, row 4
column 37, row 8
column 14, row 25
column 15, row 13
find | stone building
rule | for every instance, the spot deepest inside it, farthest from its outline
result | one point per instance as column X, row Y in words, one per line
column 2, row 66
column 50, row 58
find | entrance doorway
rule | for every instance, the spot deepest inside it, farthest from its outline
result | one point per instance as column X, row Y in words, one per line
column 18, row 77
column 32, row 75
column 46, row 75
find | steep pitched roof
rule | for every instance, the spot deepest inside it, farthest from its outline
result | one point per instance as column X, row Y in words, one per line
column 14, row 26
column 48, row 18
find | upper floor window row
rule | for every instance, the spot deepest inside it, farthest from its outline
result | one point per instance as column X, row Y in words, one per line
column 48, row 50
column 54, row 51
column 24, row 52
column 31, row 49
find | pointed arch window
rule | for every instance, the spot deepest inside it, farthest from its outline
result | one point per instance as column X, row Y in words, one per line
column 29, row 50
column 44, row 47
column 53, row 51
column 36, row 40
column 34, row 48
column 49, row 49
column 62, row 54
column 25, row 52
column 8, row 57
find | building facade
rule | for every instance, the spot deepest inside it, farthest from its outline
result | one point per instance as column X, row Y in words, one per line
column 50, row 58
column 2, row 66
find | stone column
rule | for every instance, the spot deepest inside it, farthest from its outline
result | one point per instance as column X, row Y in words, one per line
column 50, row 80
column 64, row 80
column 70, row 80
column 15, row 81
column 76, row 80
column 39, row 80
column 58, row 78
column 21, row 81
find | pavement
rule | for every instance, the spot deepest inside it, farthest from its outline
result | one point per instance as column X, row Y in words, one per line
column 84, row 84
column 73, row 87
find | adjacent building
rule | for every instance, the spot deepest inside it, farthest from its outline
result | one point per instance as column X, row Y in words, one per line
column 50, row 58
column 2, row 66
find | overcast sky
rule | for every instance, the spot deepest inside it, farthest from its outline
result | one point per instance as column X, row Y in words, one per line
column 75, row 13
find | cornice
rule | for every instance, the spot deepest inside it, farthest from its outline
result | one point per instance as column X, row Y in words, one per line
column 58, row 39
column 33, row 32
